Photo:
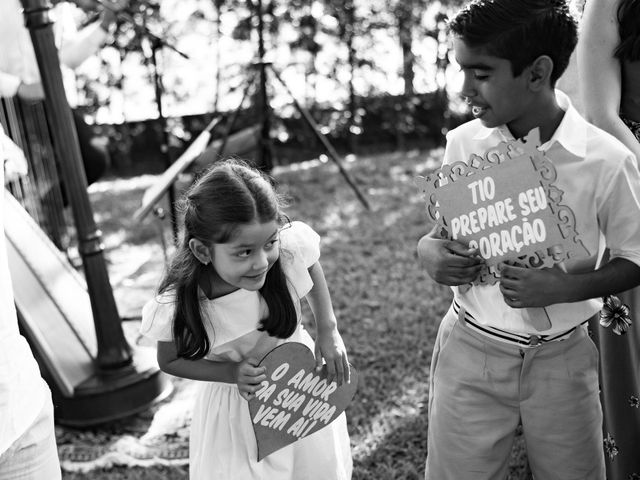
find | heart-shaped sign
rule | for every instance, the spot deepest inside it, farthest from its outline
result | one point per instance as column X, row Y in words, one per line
column 295, row 400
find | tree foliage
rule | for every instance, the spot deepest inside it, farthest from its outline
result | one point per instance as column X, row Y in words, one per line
column 355, row 49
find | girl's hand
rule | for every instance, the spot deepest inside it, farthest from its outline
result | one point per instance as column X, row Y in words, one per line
column 249, row 376
column 329, row 345
column 449, row 262
column 529, row 287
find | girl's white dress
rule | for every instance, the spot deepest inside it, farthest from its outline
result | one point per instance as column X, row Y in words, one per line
column 222, row 442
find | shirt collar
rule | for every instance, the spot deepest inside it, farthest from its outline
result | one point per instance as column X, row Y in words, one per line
column 571, row 133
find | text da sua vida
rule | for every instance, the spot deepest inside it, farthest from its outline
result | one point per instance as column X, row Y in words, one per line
column 305, row 394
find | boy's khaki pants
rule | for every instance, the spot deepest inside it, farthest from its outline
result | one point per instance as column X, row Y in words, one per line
column 482, row 388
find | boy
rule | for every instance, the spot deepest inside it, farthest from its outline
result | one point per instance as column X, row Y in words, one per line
column 491, row 368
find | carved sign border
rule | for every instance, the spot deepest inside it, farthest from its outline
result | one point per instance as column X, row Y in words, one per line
column 509, row 151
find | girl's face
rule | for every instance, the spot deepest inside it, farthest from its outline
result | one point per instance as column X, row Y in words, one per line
column 244, row 261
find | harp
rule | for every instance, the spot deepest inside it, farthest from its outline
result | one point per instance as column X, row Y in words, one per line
column 70, row 320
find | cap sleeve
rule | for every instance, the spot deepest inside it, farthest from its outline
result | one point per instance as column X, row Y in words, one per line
column 157, row 319
column 300, row 246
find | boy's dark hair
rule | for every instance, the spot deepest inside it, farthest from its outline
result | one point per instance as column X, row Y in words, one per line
column 519, row 31
column 629, row 28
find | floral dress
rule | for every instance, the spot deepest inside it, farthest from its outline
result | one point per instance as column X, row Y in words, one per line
column 617, row 334
column 222, row 442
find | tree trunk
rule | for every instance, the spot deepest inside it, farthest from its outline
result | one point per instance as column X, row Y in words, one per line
column 217, row 5
column 404, row 16
column 351, row 58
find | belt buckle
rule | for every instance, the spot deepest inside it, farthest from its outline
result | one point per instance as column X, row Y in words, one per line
column 535, row 341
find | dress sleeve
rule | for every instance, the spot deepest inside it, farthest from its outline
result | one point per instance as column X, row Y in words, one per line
column 300, row 249
column 157, row 319
column 619, row 211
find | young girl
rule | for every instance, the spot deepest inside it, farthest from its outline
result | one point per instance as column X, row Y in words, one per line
column 231, row 294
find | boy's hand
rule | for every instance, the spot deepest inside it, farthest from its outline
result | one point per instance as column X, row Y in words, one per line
column 329, row 345
column 529, row 287
column 249, row 376
column 448, row 261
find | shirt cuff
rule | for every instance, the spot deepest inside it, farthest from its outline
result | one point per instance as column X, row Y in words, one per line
column 9, row 85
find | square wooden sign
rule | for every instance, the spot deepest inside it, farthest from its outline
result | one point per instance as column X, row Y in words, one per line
column 504, row 203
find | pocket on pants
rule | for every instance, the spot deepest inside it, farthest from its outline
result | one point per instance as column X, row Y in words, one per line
column 581, row 356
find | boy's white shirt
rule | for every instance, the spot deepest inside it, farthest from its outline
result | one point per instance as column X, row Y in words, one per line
column 601, row 184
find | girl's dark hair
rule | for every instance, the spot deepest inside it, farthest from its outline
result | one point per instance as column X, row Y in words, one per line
column 225, row 197
column 629, row 28
column 519, row 31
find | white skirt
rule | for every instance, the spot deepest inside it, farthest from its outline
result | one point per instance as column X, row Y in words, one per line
column 223, row 445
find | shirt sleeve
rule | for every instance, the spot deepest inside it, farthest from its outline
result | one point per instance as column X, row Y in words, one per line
column 448, row 148
column 73, row 52
column 300, row 249
column 75, row 45
column 157, row 319
column 9, row 84
column 454, row 150
column 620, row 210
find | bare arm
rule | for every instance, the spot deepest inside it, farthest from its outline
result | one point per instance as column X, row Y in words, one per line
column 600, row 72
column 522, row 287
column 329, row 344
column 247, row 375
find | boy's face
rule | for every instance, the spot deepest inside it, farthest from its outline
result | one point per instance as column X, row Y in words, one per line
column 496, row 97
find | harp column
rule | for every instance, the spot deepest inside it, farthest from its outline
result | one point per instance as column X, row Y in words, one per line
column 113, row 351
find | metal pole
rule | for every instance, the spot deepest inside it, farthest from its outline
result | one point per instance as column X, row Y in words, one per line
column 266, row 160
column 325, row 143
column 164, row 145
column 113, row 349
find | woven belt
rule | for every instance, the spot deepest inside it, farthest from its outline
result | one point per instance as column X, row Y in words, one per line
column 505, row 336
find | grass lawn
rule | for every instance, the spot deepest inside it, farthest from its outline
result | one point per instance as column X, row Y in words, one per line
column 387, row 307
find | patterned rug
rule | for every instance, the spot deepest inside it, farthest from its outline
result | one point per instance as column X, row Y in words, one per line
column 157, row 436
column 160, row 434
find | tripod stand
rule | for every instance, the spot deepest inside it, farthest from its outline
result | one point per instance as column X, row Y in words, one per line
column 154, row 44
column 201, row 152
column 266, row 151
column 266, row 145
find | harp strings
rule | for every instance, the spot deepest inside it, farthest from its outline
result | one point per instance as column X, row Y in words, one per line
column 39, row 191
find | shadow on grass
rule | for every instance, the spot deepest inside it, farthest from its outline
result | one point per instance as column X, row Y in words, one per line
column 401, row 454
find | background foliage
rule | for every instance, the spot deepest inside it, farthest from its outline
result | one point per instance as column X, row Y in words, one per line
column 369, row 71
